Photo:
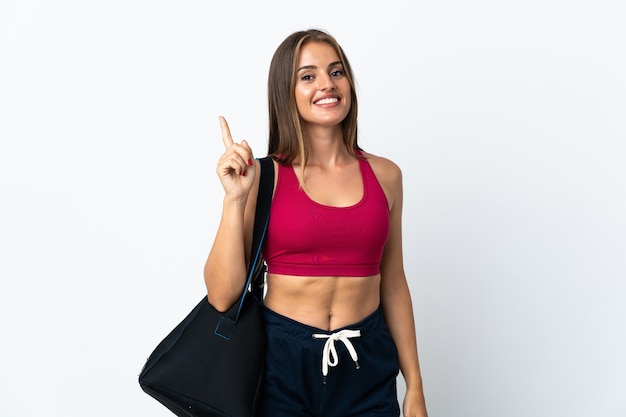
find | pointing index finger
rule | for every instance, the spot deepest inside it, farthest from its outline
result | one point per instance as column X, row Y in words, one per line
column 226, row 137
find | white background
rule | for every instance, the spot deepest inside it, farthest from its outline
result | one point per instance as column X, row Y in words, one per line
column 507, row 119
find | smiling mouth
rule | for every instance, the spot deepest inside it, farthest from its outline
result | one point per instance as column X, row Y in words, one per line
column 327, row 100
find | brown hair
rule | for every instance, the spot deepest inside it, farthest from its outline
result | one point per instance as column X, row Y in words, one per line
column 286, row 138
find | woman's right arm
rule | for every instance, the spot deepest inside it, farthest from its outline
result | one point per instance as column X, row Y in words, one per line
column 225, row 268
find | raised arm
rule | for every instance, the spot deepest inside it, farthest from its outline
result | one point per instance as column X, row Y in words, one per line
column 225, row 268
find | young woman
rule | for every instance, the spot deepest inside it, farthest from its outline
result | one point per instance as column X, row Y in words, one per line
column 337, row 311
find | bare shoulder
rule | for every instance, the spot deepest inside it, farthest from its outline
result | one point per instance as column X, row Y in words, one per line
column 389, row 177
column 387, row 172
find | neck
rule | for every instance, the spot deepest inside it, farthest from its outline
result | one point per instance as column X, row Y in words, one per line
column 326, row 146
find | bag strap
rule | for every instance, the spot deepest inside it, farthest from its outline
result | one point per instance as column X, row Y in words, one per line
column 256, row 270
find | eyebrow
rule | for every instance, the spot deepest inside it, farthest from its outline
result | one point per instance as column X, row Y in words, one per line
column 306, row 67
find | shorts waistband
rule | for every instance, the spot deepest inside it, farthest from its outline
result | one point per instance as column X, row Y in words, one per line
column 277, row 323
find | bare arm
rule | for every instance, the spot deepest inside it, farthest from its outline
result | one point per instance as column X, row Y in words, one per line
column 396, row 298
column 225, row 268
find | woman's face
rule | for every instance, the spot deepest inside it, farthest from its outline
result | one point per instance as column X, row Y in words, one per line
column 322, row 90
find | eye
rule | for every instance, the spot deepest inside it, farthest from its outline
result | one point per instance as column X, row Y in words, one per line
column 336, row 73
column 306, row 77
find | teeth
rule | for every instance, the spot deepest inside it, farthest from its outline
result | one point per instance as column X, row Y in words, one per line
column 327, row 101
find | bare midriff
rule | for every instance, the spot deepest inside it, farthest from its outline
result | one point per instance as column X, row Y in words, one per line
column 327, row 303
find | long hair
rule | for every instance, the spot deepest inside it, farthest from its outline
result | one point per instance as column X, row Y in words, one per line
column 287, row 140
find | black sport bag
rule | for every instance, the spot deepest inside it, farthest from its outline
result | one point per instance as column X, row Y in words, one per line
column 211, row 364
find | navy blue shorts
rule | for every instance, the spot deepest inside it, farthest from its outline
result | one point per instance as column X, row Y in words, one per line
column 360, row 362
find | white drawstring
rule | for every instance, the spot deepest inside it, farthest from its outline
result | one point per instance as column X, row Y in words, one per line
column 329, row 356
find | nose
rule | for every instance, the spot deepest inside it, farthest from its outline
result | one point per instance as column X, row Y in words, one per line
column 325, row 83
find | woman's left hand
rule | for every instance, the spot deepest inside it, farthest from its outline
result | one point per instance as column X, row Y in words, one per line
column 414, row 404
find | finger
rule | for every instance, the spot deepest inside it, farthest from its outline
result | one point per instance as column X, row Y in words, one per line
column 238, row 157
column 249, row 149
column 231, row 164
column 240, row 151
column 237, row 165
column 226, row 137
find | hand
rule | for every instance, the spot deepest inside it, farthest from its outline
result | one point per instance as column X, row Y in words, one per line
column 414, row 405
column 235, row 167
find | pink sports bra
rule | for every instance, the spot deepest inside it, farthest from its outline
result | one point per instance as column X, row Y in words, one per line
column 310, row 239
